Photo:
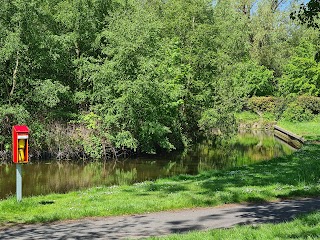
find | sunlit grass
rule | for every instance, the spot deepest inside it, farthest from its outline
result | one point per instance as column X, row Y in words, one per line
column 247, row 116
column 309, row 130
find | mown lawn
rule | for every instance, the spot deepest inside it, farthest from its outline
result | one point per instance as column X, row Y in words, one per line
column 309, row 130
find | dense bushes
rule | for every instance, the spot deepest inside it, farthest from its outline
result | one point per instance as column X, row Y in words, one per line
column 261, row 104
column 94, row 77
column 309, row 102
column 301, row 108
column 296, row 113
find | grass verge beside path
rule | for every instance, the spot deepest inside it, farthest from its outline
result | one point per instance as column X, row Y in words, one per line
column 291, row 176
column 306, row 227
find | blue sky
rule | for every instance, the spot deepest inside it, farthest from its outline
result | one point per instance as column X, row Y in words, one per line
column 283, row 6
column 287, row 3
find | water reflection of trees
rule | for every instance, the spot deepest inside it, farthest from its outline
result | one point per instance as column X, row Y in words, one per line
column 242, row 149
column 41, row 178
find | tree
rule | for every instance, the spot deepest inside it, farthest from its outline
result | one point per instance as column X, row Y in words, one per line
column 302, row 72
column 308, row 13
column 270, row 35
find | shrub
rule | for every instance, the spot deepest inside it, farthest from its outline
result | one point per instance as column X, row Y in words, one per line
column 9, row 116
column 262, row 104
column 296, row 113
column 291, row 108
column 309, row 102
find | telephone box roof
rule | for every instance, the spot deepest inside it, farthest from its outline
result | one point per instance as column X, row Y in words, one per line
column 21, row 128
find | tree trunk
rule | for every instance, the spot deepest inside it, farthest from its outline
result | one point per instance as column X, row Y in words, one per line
column 77, row 50
column 276, row 4
column 14, row 75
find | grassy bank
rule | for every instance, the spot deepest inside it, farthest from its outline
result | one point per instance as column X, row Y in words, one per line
column 304, row 227
column 286, row 177
column 309, row 130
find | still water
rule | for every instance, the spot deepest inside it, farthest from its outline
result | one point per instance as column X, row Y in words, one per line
column 45, row 177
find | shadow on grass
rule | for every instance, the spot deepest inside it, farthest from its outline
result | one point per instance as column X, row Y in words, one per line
column 166, row 187
column 46, row 202
column 300, row 171
column 146, row 225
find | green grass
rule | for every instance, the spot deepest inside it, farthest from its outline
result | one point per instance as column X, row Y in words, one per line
column 290, row 176
column 309, row 130
column 305, row 227
column 247, row 116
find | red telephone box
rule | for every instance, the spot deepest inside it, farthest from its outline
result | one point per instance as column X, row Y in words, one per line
column 20, row 144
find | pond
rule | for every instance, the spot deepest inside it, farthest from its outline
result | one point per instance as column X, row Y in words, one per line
column 43, row 177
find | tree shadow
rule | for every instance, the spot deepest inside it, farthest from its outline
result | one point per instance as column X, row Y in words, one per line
column 297, row 173
column 301, row 168
column 278, row 212
column 163, row 223
column 165, row 187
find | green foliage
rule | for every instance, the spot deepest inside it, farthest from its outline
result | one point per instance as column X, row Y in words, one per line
column 308, row 14
column 92, row 136
column 309, row 102
column 48, row 93
column 259, row 79
column 262, row 104
column 10, row 116
column 296, row 113
column 153, row 73
column 316, row 118
column 302, row 72
column 214, row 122
column 269, row 28
column 302, row 108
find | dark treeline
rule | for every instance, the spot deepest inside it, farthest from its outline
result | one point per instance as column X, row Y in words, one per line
column 96, row 78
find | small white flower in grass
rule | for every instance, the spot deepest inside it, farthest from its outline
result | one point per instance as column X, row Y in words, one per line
column 108, row 193
column 234, row 172
column 248, row 190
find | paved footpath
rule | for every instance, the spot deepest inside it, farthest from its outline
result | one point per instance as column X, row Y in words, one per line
column 163, row 223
